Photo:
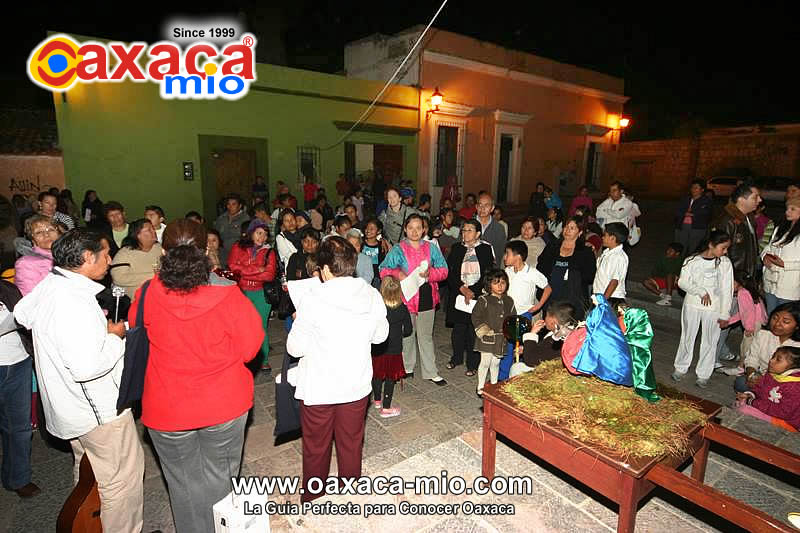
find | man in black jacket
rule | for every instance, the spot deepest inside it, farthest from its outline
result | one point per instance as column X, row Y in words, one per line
column 738, row 222
column 692, row 217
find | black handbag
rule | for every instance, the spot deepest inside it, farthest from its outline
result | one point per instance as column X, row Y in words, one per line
column 273, row 290
column 137, row 350
column 287, row 408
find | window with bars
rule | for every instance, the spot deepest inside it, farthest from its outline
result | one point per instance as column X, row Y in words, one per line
column 308, row 162
column 449, row 154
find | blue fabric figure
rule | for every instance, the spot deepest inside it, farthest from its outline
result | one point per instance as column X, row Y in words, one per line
column 605, row 352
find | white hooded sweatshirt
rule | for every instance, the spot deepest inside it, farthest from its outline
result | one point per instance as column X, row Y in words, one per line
column 78, row 363
column 337, row 323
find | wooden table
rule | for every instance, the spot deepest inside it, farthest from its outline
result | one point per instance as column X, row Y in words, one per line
column 615, row 478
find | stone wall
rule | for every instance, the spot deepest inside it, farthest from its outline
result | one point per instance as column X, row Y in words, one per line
column 665, row 167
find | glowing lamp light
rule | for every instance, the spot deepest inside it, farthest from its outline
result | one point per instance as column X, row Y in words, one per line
column 436, row 99
column 624, row 122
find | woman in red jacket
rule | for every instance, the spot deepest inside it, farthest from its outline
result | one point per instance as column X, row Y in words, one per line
column 197, row 389
column 254, row 261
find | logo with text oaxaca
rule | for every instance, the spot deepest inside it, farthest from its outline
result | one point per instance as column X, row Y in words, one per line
column 199, row 71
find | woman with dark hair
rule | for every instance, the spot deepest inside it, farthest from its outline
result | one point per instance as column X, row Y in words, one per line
column 336, row 324
column 410, row 255
column 197, row 389
column 375, row 248
column 67, row 206
column 536, row 205
column 287, row 241
column 92, row 209
column 138, row 258
column 529, row 234
column 569, row 266
column 783, row 329
column 782, row 260
column 467, row 264
column 254, row 262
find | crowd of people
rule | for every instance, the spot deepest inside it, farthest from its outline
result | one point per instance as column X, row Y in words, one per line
column 357, row 286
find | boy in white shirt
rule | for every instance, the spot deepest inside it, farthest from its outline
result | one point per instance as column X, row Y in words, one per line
column 612, row 265
column 523, row 280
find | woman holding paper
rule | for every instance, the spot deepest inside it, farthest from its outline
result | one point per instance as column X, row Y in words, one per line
column 424, row 266
column 467, row 263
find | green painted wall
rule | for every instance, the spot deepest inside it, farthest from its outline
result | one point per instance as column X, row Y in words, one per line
column 126, row 142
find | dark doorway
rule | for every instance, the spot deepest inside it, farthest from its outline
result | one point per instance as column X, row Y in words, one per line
column 504, row 167
column 235, row 172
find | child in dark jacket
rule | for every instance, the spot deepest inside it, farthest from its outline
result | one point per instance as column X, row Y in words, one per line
column 776, row 397
column 490, row 310
column 387, row 357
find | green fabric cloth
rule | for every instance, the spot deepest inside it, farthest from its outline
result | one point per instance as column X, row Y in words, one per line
column 667, row 265
column 769, row 230
column 639, row 334
column 263, row 307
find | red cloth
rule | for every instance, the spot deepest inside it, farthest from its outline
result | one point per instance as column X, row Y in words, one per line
column 310, row 191
column 388, row 366
column 572, row 345
column 199, row 343
column 321, row 424
column 243, row 263
column 467, row 212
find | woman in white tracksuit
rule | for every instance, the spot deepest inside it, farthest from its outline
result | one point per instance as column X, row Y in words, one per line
column 707, row 279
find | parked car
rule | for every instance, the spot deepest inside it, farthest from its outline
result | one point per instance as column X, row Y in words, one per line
column 773, row 188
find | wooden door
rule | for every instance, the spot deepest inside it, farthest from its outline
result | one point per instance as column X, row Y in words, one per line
column 389, row 159
column 235, row 171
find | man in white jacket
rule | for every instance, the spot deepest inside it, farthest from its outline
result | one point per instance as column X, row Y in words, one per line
column 616, row 208
column 79, row 359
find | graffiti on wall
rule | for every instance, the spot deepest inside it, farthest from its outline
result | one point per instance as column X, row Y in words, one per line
column 29, row 175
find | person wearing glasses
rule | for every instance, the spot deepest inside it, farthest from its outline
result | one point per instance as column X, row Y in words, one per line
column 35, row 261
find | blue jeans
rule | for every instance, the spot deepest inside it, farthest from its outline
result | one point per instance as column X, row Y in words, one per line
column 771, row 302
column 15, row 423
column 508, row 359
column 740, row 385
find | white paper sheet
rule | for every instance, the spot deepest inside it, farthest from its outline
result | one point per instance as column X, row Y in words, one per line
column 411, row 284
column 462, row 305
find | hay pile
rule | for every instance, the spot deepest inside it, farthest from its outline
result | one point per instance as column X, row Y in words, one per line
column 602, row 414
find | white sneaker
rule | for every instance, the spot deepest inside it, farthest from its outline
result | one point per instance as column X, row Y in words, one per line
column 732, row 371
column 718, row 365
column 665, row 300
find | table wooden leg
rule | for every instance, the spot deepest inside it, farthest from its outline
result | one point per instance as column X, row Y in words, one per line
column 700, row 460
column 627, row 505
column 489, row 442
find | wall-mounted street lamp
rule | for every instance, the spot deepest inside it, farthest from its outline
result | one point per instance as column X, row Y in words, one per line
column 624, row 123
column 436, row 100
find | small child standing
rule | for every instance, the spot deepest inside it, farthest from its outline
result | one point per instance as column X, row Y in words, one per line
column 387, row 357
column 751, row 312
column 707, row 279
column 776, row 396
column 491, row 309
column 612, row 265
column 665, row 273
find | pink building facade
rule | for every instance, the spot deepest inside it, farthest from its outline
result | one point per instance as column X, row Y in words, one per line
column 508, row 119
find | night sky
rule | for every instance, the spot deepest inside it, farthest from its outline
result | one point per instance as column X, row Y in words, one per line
column 684, row 69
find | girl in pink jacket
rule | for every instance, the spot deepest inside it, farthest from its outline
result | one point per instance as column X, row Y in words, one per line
column 776, row 397
column 752, row 313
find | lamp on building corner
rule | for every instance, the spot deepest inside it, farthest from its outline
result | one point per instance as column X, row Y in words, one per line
column 436, row 100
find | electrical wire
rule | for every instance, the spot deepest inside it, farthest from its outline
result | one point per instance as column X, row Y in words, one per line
column 388, row 83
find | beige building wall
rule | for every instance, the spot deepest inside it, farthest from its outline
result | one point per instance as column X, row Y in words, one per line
column 30, row 174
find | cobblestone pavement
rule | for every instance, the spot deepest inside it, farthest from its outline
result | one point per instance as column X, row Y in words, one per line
column 440, row 429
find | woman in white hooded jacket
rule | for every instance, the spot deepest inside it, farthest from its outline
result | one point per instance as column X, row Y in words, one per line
column 707, row 279
column 781, row 259
column 336, row 324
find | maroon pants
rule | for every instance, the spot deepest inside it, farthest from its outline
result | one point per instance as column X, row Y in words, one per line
column 344, row 422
